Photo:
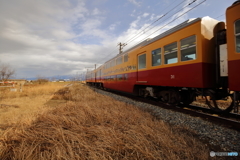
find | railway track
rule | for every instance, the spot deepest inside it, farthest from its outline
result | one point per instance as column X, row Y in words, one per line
column 229, row 120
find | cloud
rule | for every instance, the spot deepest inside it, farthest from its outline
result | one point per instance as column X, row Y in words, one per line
column 96, row 11
column 143, row 28
column 32, row 22
column 135, row 2
column 90, row 24
column 35, row 36
column 145, row 15
column 112, row 27
column 133, row 12
column 134, row 24
column 57, row 37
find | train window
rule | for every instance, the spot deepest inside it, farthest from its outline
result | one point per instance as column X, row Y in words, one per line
column 113, row 78
column 125, row 77
column 142, row 61
column 237, row 34
column 188, row 48
column 119, row 77
column 156, row 57
column 125, row 57
column 119, row 60
column 112, row 63
column 170, row 53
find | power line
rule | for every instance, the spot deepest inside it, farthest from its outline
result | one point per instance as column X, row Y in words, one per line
column 165, row 19
column 155, row 20
column 172, row 21
column 145, row 28
column 162, row 26
column 219, row 16
column 113, row 51
column 178, row 17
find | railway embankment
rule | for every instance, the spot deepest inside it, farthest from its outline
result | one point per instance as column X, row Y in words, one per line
column 218, row 137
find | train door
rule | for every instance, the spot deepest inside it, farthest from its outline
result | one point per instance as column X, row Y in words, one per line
column 141, row 67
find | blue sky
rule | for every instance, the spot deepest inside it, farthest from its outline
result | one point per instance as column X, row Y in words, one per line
column 64, row 37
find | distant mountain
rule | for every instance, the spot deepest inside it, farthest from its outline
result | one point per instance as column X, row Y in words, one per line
column 51, row 78
column 58, row 77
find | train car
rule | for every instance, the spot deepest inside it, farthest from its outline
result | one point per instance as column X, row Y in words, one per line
column 193, row 58
column 233, row 45
column 233, row 50
column 90, row 77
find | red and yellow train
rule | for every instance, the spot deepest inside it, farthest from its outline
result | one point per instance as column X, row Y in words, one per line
column 197, row 57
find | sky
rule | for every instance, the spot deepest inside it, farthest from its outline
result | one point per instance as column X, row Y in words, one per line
column 43, row 38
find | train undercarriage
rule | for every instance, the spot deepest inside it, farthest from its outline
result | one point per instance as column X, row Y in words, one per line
column 218, row 100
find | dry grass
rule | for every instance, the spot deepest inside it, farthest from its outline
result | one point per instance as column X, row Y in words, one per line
column 23, row 107
column 93, row 126
column 32, row 90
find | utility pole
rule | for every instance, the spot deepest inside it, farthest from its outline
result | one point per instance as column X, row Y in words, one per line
column 87, row 72
column 86, row 76
column 121, row 45
column 95, row 73
column 91, row 75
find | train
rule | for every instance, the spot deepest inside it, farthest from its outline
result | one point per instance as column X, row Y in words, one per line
column 197, row 58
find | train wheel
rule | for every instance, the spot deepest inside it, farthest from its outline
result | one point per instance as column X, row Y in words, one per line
column 174, row 97
column 187, row 97
column 222, row 106
column 170, row 96
column 164, row 96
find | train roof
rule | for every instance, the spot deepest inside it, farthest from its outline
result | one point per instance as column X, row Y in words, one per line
column 174, row 29
column 164, row 34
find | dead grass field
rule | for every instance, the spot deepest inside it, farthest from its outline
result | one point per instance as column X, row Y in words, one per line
column 78, row 123
column 22, row 107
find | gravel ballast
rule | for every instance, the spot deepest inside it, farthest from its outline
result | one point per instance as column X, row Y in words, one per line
column 215, row 135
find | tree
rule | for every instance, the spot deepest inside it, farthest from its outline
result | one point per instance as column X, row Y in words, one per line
column 41, row 80
column 6, row 72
